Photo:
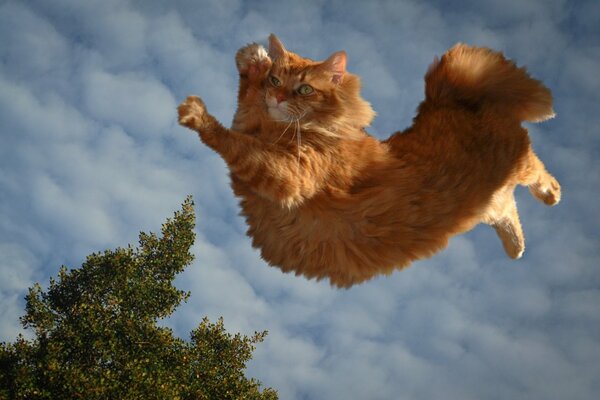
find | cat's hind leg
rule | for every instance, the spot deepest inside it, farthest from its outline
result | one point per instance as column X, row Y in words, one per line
column 509, row 230
column 546, row 189
column 542, row 185
column 503, row 216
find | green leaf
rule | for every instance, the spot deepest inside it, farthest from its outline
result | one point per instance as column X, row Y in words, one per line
column 96, row 333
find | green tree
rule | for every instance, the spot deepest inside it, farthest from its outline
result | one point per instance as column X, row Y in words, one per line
column 96, row 333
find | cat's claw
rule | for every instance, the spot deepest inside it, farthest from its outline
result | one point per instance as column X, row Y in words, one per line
column 253, row 62
column 191, row 112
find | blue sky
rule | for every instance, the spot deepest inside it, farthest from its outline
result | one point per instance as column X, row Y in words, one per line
column 90, row 154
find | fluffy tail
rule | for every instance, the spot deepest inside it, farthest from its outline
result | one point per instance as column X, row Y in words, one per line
column 476, row 76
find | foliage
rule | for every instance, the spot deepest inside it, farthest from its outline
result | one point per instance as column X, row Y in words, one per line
column 96, row 333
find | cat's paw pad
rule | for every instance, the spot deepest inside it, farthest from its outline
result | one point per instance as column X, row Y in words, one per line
column 191, row 112
column 554, row 193
column 516, row 253
column 253, row 61
column 549, row 193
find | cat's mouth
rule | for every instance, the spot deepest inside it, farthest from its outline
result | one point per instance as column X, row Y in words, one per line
column 278, row 114
column 281, row 111
column 278, row 110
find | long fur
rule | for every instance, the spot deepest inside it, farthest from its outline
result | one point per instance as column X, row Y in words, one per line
column 324, row 199
column 477, row 76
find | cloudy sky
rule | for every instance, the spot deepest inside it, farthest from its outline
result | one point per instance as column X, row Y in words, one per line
column 90, row 154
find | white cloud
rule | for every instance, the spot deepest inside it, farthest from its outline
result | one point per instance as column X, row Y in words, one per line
column 90, row 154
column 17, row 268
column 31, row 47
column 142, row 105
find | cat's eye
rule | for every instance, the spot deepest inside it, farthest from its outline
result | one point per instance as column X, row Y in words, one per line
column 305, row 90
column 274, row 81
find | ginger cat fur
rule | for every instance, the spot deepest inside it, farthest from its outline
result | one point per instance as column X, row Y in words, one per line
column 324, row 199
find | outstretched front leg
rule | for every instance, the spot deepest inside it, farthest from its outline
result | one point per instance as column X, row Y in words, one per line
column 271, row 171
column 193, row 115
column 253, row 64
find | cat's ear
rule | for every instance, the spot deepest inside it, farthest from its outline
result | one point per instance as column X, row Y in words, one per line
column 336, row 66
column 276, row 48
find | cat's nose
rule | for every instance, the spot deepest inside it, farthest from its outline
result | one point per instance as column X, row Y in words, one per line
column 280, row 97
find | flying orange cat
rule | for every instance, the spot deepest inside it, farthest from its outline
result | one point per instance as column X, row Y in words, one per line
column 324, row 199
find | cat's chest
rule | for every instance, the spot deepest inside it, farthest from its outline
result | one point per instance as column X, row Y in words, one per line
column 318, row 218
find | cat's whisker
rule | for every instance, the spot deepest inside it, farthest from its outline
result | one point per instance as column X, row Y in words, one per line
column 295, row 131
column 296, row 114
column 281, row 120
column 299, row 140
column 299, row 112
column 293, row 110
column 285, row 130
column 298, row 135
column 296, row 125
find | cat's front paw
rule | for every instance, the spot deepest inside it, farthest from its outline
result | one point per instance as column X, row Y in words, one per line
column 191, row 113
column 253, row 62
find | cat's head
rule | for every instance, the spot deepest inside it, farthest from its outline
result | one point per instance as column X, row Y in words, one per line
column 317, row 93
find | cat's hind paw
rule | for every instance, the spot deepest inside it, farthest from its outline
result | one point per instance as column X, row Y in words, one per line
column 548, row 192
column 191, row 112
column 253, row 62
